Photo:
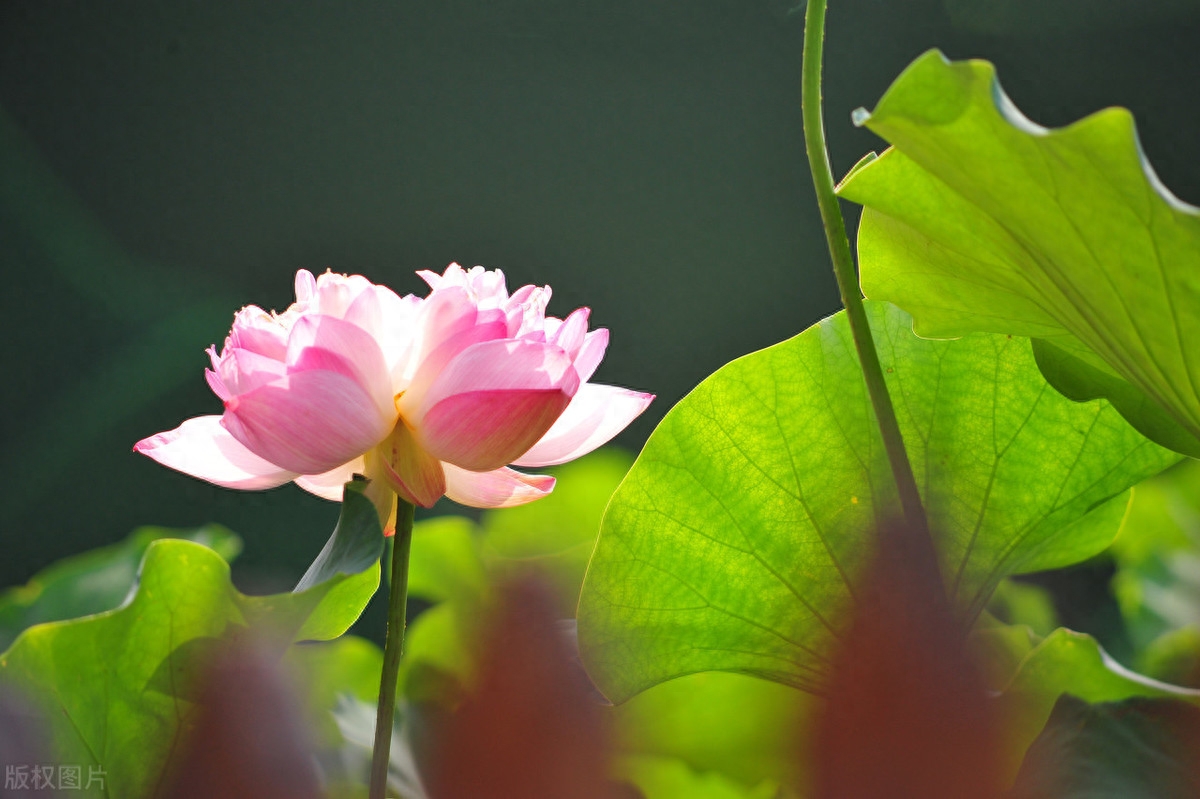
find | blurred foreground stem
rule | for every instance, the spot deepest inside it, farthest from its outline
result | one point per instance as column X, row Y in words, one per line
column 847, row 276
column 392, row 650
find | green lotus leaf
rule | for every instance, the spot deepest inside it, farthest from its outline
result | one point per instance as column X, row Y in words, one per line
column 117, row 689
column 94, row 581
column 979, row 220
column 736, row 540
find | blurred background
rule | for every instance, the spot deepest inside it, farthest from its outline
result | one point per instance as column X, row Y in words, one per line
column 162, row 165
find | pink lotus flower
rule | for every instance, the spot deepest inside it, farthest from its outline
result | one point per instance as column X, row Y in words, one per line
column 430, row 396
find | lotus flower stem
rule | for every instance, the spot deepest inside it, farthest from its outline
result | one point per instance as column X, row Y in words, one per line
column 843, row 267
column 392, row 650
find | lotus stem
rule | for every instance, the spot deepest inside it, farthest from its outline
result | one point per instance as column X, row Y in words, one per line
column 847, row 275
column 392, row 650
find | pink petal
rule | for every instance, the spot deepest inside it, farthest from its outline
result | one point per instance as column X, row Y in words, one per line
column 444, row 314
column 595, row 415
column 328, row 343
column 257, row 331
column 526, row 311
column 217, row 385
column 484, row 430
column 454, row 275
column 329, row 485
column 335, row 294
column 501, row 488
column 396, row 330
column 504, row 365
column 241, row 371
column 308, row 422
column 591, row 353
column 435, row 362
column 366, row 311
column 493, row 402
column 414, row 474
column 306, row 286
column 570, row 334
column 203, row 448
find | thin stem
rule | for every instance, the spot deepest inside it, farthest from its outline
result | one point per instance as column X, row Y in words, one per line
column 843, row 268
column 392, row 650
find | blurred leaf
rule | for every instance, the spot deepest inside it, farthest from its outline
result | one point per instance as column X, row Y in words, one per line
column 736, row 539
column 352, row 769
column 1144, row 748
column 95, row 581
column 555, row 535
column 980, row 220
column 438, row 662
column 739, row 727
column 1022, row 603
column 668, row 778
column 1173, row 657
column 116, row 686
column 454, row 562
column 1067, row 662
column 445, row 563
column 325, row 671
column 445, row 568
column 1157, row 583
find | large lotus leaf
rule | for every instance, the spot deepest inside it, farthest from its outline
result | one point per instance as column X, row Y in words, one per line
column 979, row 220
column 736, row 539
column 94, row 581
column 117, row 688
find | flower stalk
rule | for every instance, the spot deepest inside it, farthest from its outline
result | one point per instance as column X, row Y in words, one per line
column 844, row 270
column 392, row 650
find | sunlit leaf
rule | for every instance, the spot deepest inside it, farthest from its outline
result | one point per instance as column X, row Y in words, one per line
column 668, row 778
column 118, row 687
column 734, row 542
column 346, row 569
column 741, row 728
column 94, row 581
column 980, row 220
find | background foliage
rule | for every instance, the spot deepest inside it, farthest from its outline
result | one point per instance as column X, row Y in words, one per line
column 162, row 165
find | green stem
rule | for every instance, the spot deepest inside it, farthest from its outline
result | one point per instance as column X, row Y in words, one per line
column 392, row 650
column 843, row 268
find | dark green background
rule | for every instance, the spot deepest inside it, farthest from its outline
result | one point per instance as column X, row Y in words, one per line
column 163, row 164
